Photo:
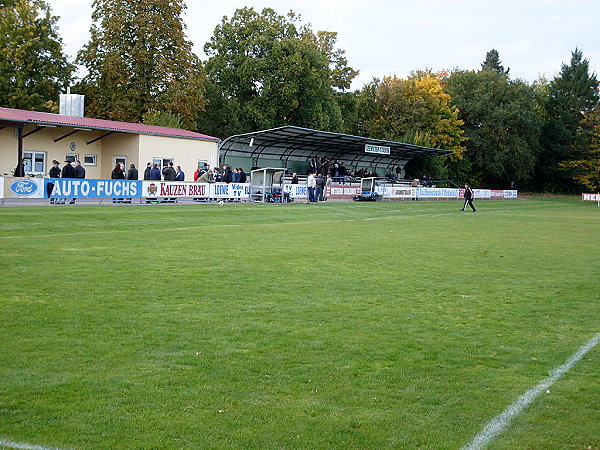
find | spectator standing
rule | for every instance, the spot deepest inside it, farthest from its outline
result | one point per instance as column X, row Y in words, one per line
column 227, row 174
column 236, row 175
column 53, row 173
column 328, row 183
column 155, row 173
column 132, row 173
column 148, row 171
column 469, row 195
column 294, row 178
column 123, row 170
column 169, row 173
column 320, row 187
column 79, row 173
column 117, row 174
column 79, row 170
column 206, row 177
column 311, row 185
column 243, row 177
column 68, row 171
column 179, row 175
column 198, row 172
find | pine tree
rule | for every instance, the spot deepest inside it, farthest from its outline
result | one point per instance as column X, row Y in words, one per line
column 138, row 59
column 572, row 96
column 33, row 68
column 492, row 62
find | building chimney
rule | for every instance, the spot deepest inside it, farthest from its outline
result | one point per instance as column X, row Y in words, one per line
column 71, row 104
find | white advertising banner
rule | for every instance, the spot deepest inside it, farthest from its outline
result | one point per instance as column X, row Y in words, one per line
column 23, row 187
column 482, row 193
column 174, row 189
column 399, row 192
column 438, row 193
column 296, row 190
column 230, row 191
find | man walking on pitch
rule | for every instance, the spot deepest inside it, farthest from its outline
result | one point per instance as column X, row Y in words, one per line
column 468, row 195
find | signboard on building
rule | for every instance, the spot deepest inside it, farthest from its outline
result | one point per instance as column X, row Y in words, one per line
column 380, row 149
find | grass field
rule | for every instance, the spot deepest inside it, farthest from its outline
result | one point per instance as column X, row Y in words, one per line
column 341, row 325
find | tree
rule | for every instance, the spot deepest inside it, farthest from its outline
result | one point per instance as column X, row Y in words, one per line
column 501, row 123
column 33, row 68
column 492, row 62
column 415, row 111
column 572, row 95
column 138, row 59
column 270, row 71
column 586, row 169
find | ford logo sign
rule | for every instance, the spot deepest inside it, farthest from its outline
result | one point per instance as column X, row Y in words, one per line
column 24, row 188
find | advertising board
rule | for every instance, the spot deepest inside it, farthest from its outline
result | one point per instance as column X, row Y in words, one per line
column 80, row 188
column 174, row 189
column 296, row 190
column 23, row 187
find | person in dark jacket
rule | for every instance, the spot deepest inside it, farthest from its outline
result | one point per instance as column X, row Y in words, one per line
column 155, row 173
column 147, row 171
column 117, row 174
column 79, row 173
column 68, row 171
column 469, row 196
column 320, row 192
column 132, row 173
column 54, row 172
column 227, row 174
column 243, row 177
column 179, row 174
column 169, row 173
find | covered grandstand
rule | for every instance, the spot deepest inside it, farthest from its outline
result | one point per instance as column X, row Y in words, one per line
column 294, row 147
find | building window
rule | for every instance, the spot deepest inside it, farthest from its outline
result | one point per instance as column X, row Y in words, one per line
column 35, row 162
column 162, row 162
column 72, row 157
column 89, row 160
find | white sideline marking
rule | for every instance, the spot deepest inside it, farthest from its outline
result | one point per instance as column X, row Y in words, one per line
column 500, row 422
column 196, row 227
column 4, row 443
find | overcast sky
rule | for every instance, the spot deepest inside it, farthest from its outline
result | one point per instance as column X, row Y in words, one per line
column 384, row 37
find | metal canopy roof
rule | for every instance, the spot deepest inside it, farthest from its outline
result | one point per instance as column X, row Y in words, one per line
column 303, row 144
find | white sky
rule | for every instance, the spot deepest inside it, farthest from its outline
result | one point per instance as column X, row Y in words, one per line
column 386, row 37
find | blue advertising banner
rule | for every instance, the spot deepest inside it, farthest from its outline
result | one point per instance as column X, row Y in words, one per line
column 79, row 188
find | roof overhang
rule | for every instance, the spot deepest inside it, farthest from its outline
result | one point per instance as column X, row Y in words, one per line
column 303, row 144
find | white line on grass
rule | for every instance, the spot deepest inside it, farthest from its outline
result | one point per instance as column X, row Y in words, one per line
column 196, row 227
column 500, row 422
column 9, row 444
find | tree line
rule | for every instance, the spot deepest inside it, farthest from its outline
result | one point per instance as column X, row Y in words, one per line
column 265, row 69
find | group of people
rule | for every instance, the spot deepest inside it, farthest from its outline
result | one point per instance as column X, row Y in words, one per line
column 68, row 171
column 168, row 172
column 316, row 185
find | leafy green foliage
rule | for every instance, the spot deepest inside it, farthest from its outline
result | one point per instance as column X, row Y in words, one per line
column 138, row 59
column 266, row 70
column 162, row 119
column 33, row 68
column 572, row 95
column 416, row 111
column 502, row 126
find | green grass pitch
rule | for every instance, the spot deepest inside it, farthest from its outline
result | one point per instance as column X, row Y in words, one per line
column 334, row 325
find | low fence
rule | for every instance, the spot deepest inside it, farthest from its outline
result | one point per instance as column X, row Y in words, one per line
column 40, row 188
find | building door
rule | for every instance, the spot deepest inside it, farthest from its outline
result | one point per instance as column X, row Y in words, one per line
column 120, row 160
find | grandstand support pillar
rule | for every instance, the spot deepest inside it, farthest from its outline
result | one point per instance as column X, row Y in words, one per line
column 19, row 145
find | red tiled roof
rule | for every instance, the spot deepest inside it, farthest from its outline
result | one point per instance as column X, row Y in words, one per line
column 35, row 117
